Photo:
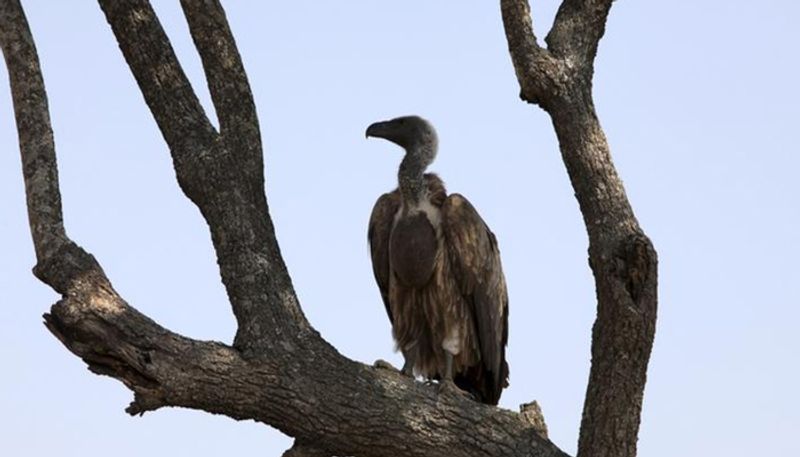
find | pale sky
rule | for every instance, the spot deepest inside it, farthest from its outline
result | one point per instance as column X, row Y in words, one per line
column 699, row 101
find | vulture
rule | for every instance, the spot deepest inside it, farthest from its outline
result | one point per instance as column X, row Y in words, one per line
column 438, row 269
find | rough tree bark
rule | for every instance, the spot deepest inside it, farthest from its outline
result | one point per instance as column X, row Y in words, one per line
column 622, row 258
column 279, row 371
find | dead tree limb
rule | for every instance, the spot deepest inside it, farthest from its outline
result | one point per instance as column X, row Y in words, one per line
column 279, row 370
column 622, row 258
column 222, row 173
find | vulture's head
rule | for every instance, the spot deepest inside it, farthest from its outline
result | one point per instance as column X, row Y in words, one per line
column 412, row 133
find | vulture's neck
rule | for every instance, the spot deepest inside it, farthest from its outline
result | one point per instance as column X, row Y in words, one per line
column 410, row 177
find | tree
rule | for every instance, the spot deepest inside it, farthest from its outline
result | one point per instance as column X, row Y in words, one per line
column 279, row 371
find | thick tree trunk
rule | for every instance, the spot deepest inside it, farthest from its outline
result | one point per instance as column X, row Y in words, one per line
column 624, row 264
column 279, row 370
column 622, row 258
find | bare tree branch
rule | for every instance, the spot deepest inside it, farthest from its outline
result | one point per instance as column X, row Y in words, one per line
column 227, row 80
column 300, row 385
column 36, row 138
column 279, row 371
column 314, row 394
column 577, row 30
column 300, row 449
column 622, row 258
column 307, row 390
column 227, row 189
column 165, row 87
column 532, row 413
column 537, row 71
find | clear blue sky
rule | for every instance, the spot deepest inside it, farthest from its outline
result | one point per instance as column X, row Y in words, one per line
column 700, row 103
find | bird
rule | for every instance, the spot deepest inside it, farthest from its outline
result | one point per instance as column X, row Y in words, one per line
column 438, row 268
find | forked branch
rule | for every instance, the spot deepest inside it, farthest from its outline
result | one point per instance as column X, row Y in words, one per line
column 279, row 371
column 577, row 30
column 227, row 80
column 622, row 258
column 163, row 83
column 537, row 71
column 222, row 175
column 36, row 143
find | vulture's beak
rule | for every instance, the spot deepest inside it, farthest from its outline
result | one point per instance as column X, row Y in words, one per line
column 377, row 130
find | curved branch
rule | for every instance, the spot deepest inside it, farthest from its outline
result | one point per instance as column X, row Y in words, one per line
column 227, row 189
column 165, row 87
column 577, row 30
column 280, row 371
column 301, row 385
column 36, row 143
column 621, row 256
column 624, row 264
column 300, row 449
column 538, row 73
column 313, row 394
column 227, row 80
column 307, row 390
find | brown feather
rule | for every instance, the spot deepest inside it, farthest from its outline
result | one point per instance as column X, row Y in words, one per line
column 412, row 250
column 441, row 286
column 380, row 228
column 475, row 259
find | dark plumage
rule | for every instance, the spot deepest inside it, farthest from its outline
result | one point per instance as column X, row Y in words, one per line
column 438, row 269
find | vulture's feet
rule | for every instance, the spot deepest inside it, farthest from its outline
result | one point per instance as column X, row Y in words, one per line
column 447, row 387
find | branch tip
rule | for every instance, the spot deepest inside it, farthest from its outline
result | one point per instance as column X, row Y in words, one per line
column 531, row 413
column 303, row 449
column 143, row 403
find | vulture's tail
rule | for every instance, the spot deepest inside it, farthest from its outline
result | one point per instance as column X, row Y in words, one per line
column 482, row 384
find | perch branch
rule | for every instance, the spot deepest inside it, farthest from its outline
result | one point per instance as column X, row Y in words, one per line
column 301, row 385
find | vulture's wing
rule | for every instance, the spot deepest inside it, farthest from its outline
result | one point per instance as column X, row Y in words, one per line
column 475, row 260
column 380, row 227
